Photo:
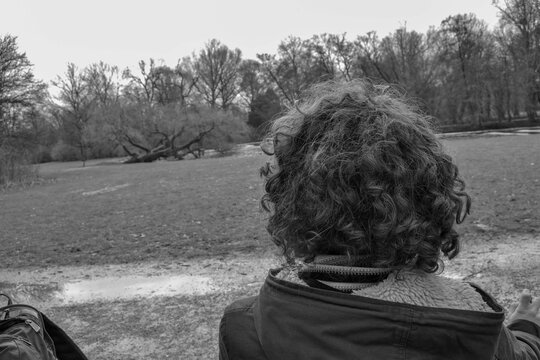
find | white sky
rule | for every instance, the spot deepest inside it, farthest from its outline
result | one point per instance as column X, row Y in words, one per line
column 122, row 32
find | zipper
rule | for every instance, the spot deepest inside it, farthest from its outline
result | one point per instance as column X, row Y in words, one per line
column 344, row 270
column 343, row 260
column 33, row 325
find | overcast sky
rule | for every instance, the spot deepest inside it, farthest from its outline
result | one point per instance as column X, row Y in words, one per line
column 122, row 32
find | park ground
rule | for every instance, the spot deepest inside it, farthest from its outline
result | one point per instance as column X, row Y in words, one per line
column 196, row 226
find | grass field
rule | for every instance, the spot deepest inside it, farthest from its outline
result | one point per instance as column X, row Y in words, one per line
column 124, row 213
column 178, row 210
column 205, row 215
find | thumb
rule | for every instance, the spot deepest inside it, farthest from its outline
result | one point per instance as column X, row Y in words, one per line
column 525, row 298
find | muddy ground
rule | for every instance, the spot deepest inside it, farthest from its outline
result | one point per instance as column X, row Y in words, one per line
column 179, row 319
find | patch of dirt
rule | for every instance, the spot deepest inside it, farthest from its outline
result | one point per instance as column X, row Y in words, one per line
column 105, row 190
column 503, row 266
column 43, row 286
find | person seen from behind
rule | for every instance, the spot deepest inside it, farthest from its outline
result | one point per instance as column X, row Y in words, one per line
column 363, row 201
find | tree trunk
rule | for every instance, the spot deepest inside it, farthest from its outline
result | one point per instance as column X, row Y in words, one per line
column 82, row 150
column 163, row 151
column 149, row 157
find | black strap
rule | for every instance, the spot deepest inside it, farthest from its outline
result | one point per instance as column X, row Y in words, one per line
column 4, row 312
column 8, row 298
column 66, row 349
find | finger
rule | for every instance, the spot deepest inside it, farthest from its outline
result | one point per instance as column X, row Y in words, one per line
column 525, row 298
column 512, row 308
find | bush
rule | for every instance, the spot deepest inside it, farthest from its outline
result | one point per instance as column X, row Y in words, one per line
column 64, row 152
column 42, row 155
column 105, row 149
column 16, row 167
column 224, row 146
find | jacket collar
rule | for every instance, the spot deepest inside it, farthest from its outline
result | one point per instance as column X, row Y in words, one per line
column 297, row 322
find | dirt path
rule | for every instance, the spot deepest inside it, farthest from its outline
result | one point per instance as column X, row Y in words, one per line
column 194, row 293
column 501, row 265
column 72, row 285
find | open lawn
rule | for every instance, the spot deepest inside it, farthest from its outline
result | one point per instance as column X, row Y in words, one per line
column 116, row 213
column 203, row 218
column 120, row 213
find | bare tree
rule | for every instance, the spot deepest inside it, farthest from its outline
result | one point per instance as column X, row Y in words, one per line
column 252, row 81
column 104, row 83
column 76, row 106
column 186, row 79
column 335, row 55
column 466, row 51
column 174, row 85
column 216, row 67
column 370, row 57
column 19, row 90
column 403, row 57
column 522, row 17
column 293, row 69
column 142, row 87
column 508, row 77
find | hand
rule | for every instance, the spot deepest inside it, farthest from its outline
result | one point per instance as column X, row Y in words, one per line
column 526, row 309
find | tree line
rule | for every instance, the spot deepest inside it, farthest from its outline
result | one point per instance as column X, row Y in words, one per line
column 461, row 72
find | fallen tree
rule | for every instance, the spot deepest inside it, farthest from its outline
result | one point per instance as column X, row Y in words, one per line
column 147, row 134
column 166, row 147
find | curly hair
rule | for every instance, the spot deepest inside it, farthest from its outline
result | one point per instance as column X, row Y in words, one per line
column 358, row 170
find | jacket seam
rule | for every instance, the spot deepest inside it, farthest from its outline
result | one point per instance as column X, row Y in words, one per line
column 236, row 310
column 405, row 337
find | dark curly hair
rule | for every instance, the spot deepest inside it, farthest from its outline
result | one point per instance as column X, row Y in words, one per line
column 358, row 170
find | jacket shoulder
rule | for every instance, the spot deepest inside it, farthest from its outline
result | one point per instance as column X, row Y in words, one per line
column 245, row 304
column 238, row 337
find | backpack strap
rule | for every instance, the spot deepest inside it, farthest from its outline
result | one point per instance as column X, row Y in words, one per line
column 4, row 310
column 9, row 301
column 66, row 349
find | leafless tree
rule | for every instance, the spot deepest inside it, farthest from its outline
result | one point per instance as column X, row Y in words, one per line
column 104, row 83
column 19, row 90
column 142, row 87
column 521, row 18
column 76, row 105
column 216, row 68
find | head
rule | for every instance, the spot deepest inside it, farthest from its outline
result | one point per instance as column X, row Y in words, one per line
column 358, row 170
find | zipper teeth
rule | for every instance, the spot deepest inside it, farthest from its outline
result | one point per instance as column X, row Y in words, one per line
column 344, row 270
column 347, row 285
column 342, row 259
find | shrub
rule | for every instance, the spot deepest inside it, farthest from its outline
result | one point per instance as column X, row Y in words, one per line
column 224, row 146
column 16, row 167
column 105, row 149
column 42, row 155
column 64, row 152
